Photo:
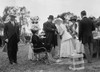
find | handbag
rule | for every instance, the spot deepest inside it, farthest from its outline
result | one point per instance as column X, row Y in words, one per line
column 5, row 48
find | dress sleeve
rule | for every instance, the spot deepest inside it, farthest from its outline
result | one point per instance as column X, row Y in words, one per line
column 61, row 31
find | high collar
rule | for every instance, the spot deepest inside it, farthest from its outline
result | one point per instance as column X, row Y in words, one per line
column 14, row 23
column 84, row 17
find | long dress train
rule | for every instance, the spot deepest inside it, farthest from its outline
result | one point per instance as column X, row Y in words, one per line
column 66, row 43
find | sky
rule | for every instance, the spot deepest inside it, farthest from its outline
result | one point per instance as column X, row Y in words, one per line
column 44, row 8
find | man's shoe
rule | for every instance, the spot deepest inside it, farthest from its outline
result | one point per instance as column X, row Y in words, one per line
column 15, row 62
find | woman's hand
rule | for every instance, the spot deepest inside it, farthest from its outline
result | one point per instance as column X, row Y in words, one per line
column 6, row 40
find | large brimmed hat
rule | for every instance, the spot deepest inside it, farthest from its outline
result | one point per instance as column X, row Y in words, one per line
column 73, row 18
column 58, row 20
column 51, row 17
column 35, row 19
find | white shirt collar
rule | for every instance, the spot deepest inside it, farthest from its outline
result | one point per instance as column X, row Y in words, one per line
column 84, row 16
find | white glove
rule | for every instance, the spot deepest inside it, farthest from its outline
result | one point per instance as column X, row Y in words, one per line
column 6, row 40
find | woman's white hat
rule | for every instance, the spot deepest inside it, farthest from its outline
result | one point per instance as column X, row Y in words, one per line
column 58, row 20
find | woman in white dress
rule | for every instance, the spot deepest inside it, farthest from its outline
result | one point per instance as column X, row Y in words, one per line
column 78, row 47
column 57, row 22
column 74, row 33
column 27, row 39
column 66, row 42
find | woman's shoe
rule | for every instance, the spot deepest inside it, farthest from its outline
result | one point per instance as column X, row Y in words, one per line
column 50, row 58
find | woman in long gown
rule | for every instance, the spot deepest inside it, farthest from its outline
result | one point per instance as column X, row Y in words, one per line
column 78, row 46
column 27, row 39
column 67, row 47
column 66, row 43
column 57, row 22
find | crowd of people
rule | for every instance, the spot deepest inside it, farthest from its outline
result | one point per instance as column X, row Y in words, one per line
column 61, row 36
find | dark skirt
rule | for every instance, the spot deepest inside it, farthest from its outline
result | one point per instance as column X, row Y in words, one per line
column 39, row 50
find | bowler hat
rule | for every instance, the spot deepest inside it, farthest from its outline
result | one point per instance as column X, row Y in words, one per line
column 51, row 17
column 83, row 12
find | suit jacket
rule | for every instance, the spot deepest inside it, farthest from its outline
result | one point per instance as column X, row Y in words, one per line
column 51, row 37
column 10, row 30
column 85, row 30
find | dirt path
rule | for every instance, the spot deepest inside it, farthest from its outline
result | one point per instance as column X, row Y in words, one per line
column 24, row 65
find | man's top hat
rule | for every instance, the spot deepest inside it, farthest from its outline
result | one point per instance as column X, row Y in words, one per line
column 51, row 17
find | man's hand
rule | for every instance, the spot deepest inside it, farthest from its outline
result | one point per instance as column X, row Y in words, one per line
column 53, row 29
column 6, row 40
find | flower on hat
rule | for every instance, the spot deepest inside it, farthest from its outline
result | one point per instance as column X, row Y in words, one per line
column 35, row 27
column 35, row 19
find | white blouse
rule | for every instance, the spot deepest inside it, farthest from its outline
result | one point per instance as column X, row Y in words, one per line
column 66, row 35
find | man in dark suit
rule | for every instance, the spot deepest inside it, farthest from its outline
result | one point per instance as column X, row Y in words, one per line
column 11, row 33
column 85, row 35
column 50, row 30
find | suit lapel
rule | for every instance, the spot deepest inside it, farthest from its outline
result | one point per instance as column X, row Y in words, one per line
column 13, row 26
